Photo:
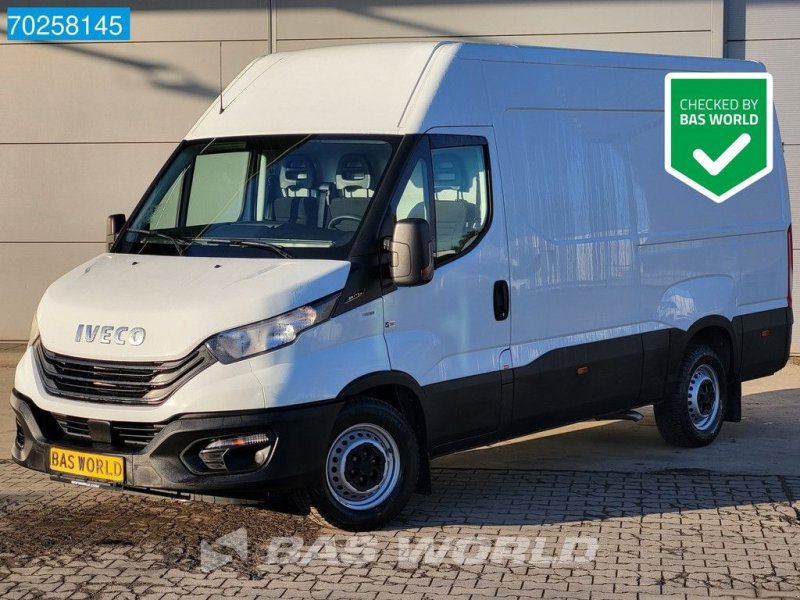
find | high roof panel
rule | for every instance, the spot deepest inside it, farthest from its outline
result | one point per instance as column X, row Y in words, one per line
column 344, row 89
column 388, row 87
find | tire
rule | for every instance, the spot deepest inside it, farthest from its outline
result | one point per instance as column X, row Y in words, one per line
column 381, row 454
column 691, row 415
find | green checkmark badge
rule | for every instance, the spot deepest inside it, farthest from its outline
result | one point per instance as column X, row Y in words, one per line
column 718, row 130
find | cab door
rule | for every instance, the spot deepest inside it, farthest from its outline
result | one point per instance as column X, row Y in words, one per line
column 452, row 334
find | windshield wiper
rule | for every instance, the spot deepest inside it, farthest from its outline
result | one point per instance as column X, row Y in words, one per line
column 178, row 242
column 279, row 250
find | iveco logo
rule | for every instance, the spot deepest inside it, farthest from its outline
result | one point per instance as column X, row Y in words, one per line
column 106, row 334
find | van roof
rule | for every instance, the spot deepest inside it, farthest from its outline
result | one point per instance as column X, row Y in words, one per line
column 388, row 88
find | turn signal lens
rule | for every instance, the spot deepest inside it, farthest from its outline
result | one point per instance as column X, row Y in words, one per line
column 237, row 453
column 238, row 442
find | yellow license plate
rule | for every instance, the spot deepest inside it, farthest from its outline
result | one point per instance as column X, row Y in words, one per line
column 86, row 464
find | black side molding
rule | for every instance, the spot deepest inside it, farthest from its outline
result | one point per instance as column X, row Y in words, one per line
column 766, row 340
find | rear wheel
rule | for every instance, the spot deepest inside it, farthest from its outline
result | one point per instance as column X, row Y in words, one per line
column 371, row 467
column 692, row 415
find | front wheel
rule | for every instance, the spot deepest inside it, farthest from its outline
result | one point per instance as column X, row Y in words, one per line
column 371, row 467
column 692, row 415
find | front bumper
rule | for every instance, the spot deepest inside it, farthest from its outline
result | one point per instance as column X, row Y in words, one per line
column 165, row 464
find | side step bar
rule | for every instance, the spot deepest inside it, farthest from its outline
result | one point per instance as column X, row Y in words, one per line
column 625, row 415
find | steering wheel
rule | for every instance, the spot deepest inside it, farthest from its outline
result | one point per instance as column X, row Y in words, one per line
column 335, row 220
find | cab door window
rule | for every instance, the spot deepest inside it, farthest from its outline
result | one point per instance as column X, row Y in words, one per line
column 413, row 198
column 414, row 201
column 461, row 198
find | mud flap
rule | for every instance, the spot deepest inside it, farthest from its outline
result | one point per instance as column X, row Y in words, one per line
column 734, row 410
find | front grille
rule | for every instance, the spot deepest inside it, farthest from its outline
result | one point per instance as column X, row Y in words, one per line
column 135, row 434
column 73, row 427
column 123, row 435
column 117, row 382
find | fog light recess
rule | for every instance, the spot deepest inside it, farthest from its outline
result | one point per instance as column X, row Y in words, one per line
column 20, row 437
column 240, row 453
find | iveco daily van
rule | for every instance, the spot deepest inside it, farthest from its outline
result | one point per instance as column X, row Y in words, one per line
column 364, row 257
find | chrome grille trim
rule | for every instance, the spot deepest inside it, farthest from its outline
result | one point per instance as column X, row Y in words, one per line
column 114, row 382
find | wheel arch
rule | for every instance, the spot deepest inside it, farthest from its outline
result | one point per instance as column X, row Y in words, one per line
column 724, row 337
column 719, row 333
column 401, row 391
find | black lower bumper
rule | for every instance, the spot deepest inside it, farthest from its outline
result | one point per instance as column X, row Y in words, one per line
column 168, row 463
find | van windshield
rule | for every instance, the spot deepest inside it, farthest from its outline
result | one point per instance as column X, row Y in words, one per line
column 273, row 196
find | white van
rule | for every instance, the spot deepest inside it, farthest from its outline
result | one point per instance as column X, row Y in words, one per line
column 364, row 257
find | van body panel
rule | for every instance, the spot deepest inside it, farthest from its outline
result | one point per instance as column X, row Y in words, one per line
column 584, row 230
column 345, row 91
column 575, row 382
column 595, row 270
column 765, row 336
column 176, row 299
column 446, row 331
column 160, row 468
column 317, row 366
column 324, row 359
column 399, row 87
column 684, row 303
column 218, row 388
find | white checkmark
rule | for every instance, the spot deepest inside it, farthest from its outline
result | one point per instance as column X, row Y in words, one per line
column 715, row 167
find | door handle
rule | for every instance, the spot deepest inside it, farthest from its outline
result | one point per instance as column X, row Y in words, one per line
column 500, row 300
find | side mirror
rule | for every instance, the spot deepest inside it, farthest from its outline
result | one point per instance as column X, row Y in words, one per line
column 113, row 227
column 411, row 250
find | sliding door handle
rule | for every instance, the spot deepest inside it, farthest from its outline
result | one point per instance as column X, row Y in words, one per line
column 501, row 300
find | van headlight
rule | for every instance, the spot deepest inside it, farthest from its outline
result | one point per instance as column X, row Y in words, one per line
column 34, row 330
column 258, row 338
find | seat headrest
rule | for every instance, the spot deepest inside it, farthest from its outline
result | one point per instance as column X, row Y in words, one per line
column 449, row 173
column 353, row 175
column 297, row 175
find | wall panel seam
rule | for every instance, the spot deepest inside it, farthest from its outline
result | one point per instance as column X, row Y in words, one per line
column 133, row 43
column 47, row 242
column 770, row 39
column 488, row 35
column 84, row 143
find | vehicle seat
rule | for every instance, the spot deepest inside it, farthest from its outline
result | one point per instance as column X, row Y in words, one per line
column 298, row 202
column 353, row 191
column 454, row 215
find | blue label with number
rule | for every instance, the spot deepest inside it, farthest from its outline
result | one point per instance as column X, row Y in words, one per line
column 69, row 24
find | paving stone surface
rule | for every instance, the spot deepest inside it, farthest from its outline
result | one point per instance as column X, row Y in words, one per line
column 481, row 534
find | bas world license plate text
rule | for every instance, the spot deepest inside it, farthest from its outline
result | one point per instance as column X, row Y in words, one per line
column 84, row 464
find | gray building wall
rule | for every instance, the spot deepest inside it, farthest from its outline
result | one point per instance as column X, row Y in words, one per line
column 769, row 31
column 87, row 125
